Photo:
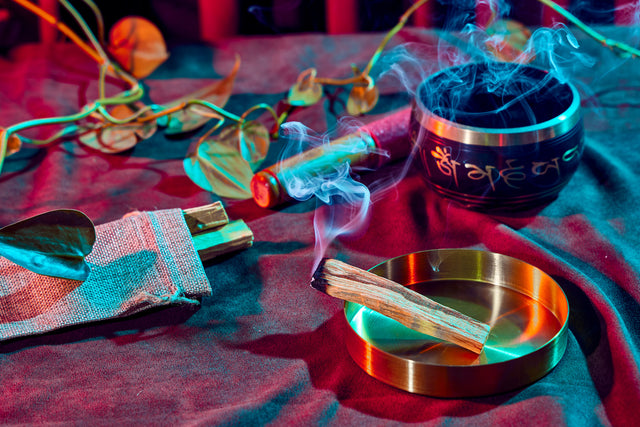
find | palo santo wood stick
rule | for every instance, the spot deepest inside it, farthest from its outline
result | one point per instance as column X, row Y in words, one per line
column 349, row 283
column 202, row 218
column 212, row 233
column 228, row 238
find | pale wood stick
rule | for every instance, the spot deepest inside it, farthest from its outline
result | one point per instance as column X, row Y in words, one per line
column 212, row 233
column 349, row 283
column 231, row 237
column 205, row 217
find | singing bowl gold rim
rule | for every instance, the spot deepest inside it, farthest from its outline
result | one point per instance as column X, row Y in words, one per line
column 459, row 380
column 502, row 136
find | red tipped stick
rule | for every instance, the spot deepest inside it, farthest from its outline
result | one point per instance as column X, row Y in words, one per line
column 389, row 135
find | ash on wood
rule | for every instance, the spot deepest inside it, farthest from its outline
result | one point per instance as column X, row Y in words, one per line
column 212, row 232
column 349, row 283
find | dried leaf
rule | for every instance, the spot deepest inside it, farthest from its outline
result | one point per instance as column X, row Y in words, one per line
column 195, row 116
column 306, row 91
column 220, row 169
column 188, row 119
column 53, row 243
column 250, row 139
column 137, row 45
column 14, row 143
column 362, row 99
column 110, row 139
column 115, row 138
column 253, row 142
column 508, row 41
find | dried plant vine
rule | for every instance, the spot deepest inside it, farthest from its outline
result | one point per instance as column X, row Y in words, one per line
column 225, row 157
column 620, row 48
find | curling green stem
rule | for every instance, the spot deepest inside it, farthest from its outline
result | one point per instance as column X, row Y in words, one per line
column 69, row 130
column 160, row 111
column 362, row 77
column 85, row 28
column 208, row 133
column 136, row 91
column 47, row 17
column 126, row 97
column 99, row 20
column 614, row 45
column 101, row 81
column 4, row 141
column 103, row 111
column 276, row 119
column 260, row 107
column 401, row 23
column 339, row 82
column 85, row 112
column 204, row 137
column 281, row 119
column 215, row 108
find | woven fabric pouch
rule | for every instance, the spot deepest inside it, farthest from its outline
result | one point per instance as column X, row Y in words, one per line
column 138, row 262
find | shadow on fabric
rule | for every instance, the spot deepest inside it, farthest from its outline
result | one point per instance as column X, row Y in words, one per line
column 136, row 328
column 331, row 368
column 589, row 329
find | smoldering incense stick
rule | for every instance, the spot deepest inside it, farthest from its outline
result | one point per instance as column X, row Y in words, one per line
column 389, row 135
column 349, row 283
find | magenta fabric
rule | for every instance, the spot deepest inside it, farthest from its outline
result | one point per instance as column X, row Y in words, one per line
column 267, row 348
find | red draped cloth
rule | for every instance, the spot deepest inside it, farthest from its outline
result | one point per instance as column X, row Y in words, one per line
column 267, row 348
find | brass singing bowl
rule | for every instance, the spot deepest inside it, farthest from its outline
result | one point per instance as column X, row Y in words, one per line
column 527, row 310
column 497, row 136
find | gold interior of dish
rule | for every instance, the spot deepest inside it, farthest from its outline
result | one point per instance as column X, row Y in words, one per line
column 526, row 309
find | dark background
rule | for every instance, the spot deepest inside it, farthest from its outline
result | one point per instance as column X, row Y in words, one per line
column 179, row 21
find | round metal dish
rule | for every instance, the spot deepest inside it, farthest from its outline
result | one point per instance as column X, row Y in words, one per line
column 527, row 310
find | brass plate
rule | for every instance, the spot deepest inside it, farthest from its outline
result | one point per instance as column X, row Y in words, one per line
column 527, row 310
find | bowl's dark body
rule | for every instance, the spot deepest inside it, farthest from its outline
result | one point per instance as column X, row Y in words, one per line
column 498, row 135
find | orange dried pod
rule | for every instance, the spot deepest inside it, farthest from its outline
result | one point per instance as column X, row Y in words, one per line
column 306, row 90
column 138, row 46
column 362, row 99
column 14, row 143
